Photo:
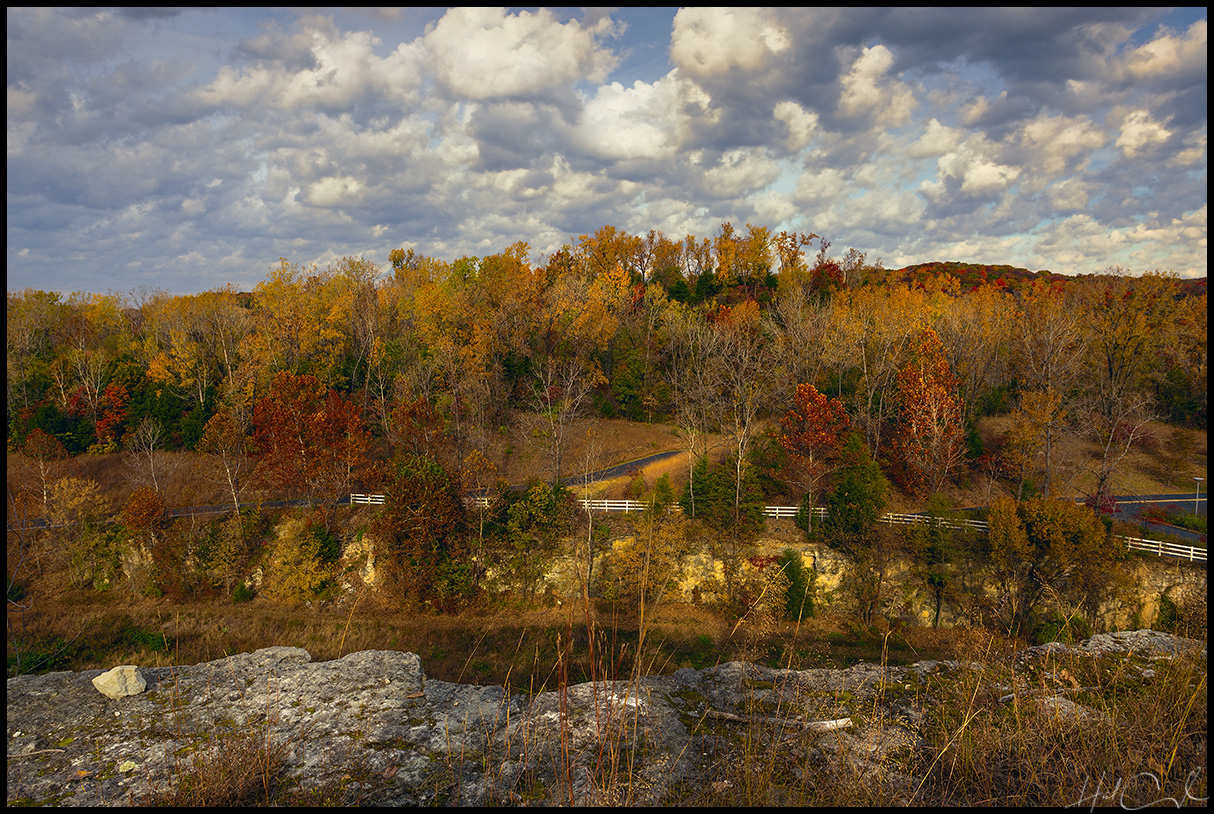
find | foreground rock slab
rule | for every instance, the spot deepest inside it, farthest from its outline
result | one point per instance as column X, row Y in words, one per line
column 372, row 729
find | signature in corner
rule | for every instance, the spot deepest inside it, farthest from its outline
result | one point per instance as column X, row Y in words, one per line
column 1116, row 794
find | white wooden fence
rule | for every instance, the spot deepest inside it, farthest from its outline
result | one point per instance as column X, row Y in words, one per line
column 1157, row 547
column 1162, row 549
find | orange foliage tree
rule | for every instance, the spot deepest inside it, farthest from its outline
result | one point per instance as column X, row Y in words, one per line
column 927, row 445
column 145, row 510
column 811, row 432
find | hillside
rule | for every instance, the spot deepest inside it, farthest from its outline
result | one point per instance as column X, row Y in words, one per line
column 972, row 275
column 518, row 457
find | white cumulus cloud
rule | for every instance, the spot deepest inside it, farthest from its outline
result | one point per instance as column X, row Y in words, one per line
column 710, row 41
column 484, row 53
column 867, row 91
column 1139, row 131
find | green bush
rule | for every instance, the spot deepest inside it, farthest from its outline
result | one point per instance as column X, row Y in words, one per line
column 636, row 487
column 328, row 545
column 1169, row 614
column 799, row 601
column 1054, row 627
column 16, row 589
column 137, row 638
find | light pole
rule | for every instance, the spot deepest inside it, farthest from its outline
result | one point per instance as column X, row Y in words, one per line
column 1196, row 496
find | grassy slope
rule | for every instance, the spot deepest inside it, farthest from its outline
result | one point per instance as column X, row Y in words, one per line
column 497, row 641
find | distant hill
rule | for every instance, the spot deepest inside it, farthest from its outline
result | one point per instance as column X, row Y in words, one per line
column 972, row 275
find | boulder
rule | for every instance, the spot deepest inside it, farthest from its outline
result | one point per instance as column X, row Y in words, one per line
column 120, row 682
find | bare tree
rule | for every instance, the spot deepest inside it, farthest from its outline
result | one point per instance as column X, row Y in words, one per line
column 223, row 438
column 1050, row 347
column 589, row 462
column 746, row 385
column 696, row 372
column 800, row 328
column 145, row 455
column 561, row 391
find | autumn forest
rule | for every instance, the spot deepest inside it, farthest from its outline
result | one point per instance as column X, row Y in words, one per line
column 810, row 370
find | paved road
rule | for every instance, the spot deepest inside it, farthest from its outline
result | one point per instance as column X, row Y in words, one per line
column 627, row 468
column 1129, row 506
column 1174, row 503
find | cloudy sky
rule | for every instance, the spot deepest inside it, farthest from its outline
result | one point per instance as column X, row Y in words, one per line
column 184, row 150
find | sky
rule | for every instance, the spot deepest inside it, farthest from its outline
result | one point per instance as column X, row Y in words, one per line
column 184, row 150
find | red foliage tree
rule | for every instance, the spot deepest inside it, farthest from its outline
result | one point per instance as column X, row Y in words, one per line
column 417, row 429
column 108, row 410
column 811, row 432
column 308, row 438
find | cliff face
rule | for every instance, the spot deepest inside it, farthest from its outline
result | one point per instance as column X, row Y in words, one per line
column 370, row 728
column 907, row 599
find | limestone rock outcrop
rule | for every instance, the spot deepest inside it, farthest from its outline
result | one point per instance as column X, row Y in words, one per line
column 371, row 728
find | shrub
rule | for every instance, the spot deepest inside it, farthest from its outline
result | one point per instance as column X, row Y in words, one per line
column 296, row 572
column 646, row 568
column 1169, row 614
column 636, row 487
column 799, row 601
column 1055, row 627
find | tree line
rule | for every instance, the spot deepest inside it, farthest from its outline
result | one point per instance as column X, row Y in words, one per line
column 710, row 333
column 804, row 362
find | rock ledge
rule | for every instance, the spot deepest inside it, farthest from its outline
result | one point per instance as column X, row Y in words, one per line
column 370, row 728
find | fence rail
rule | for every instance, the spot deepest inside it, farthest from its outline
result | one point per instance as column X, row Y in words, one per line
column 1162, row 549
column 1185, row 552
column 366, row 500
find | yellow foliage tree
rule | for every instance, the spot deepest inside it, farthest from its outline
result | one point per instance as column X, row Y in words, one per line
column 870, row 329
column 1044, row 547
column 74, row 512
column 1025, row 439
column 642, row 572
column 296, row 572
column 231, row 553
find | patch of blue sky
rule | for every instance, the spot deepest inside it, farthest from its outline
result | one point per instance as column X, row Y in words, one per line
column 1176, row 19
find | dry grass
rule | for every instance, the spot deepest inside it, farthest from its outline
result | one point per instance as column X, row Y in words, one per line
column 1072, row 729
column 517, row 452
column 1146, row 469
column 979, row 751
column 1075, row 729
column 241, row 769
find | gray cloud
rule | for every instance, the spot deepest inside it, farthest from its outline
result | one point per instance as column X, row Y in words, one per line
column 190, row 149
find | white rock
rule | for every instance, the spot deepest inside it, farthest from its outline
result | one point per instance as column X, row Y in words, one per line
column 120, row 682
